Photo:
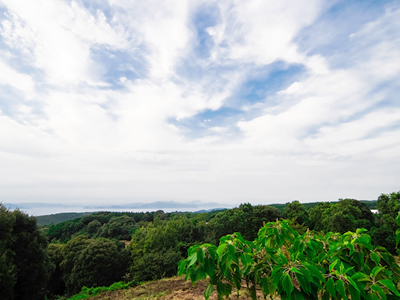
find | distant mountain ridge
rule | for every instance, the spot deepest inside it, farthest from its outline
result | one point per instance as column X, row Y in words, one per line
column 158, row 205
column 42, row 209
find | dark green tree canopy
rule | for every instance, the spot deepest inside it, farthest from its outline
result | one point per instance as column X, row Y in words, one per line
column 345, row 215
column 25, row 265
column 92, row 263
column 297, row 212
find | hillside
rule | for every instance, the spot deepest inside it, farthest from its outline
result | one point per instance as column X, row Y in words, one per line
column 166, row 289
column 58, row 218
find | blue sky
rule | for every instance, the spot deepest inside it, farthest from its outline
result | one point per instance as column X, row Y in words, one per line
column 215, row 101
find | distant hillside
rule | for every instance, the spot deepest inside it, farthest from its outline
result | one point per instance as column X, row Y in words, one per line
column 62, row 217
column 371, row 204
column 58, row 218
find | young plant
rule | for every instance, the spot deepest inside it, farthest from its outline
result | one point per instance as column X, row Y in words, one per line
column 308, row 266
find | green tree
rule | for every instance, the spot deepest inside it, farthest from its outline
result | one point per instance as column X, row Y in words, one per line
column 297, row 212
column 56, row 284
column 8, row 271
column 118, row 227
column 345, row 215
column 245, row 219
column 155, row 252
column 23, row 249
column 263, row 214
column 93, row 227
column 225, row 222
column 92, row 263
column 100, row 263
column 383, row 233
column 316, row 214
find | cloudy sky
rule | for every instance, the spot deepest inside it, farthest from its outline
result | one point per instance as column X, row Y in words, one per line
column 116, row 101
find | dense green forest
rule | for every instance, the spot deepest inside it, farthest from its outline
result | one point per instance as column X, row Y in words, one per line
column 105, row 247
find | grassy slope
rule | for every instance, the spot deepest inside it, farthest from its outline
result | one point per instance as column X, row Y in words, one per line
column 167, row 289
column 58, row 218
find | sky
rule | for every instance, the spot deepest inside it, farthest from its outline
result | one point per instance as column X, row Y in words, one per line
column 122, row 101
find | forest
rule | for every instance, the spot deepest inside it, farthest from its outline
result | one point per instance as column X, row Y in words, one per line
column 58, row 261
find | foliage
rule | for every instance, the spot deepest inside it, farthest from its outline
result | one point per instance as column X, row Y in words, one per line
column 297, row 212
column 115, row 225
column 316, row 216
column 155, row 252
column 56, row 284
column 92, row 262
column 345, row 215
column 384, row 233
column 371, row 204
column 282, row 262
column 93, row 291
column 398, row 232
column 25, row 266
column 8, row 271
column 245, row 219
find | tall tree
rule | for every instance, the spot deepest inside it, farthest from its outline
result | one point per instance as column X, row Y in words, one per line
column 23, row 249
column 155, row 252
column 8, row 271
column 316, row 215
column 383, row 234
column 92, row 263
column 297, row 212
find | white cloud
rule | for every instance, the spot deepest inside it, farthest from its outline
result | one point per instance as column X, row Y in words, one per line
column 161, row 26
column 23, row 82
column 96, row 140
column 261, row 32
column 59, row 36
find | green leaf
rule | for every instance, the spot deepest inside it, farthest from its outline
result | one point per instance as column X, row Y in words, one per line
column 330, row 287
column 252, row 292
column 390, row 285
column 360, row 277
column 375, row 257
column 297, row 295
column 192, row 259
column 361, row 230
column 209, row 267
column 375, row 287
column 304, row 283
column 315, row 272
column 340, row 288
column 221, row 249
column 209, row 290
column 349, row 279
column 332, row 265
column 221, row 289
column 200, row 256
column 376, row 270
column 351, row 247
column 264, row 285
column 197, row 275
column 398, row 234
column 182, row 267
column 355, row 293
column 232, row 252
column 326, row 296
column 287, row 283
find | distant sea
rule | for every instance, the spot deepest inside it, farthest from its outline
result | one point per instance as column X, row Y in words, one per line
column 41, row 209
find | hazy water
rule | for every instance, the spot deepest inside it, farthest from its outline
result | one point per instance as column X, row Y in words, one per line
column 40, row 211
